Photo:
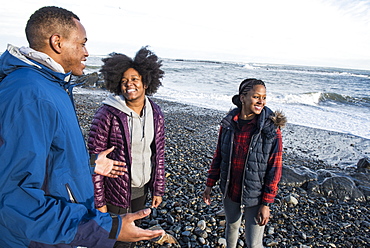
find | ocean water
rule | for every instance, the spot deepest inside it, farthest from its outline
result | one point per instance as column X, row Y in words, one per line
column 326, row 98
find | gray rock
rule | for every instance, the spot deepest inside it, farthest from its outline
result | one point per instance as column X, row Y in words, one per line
column 201, row 240
column 322, row 174
column 366, row 191
column 270, row 230
column 92, row 80
column 362, row 180
column 170, row 220
column 221, row 242
column 291, row 200
column 201, row 224
column 363, row 165
column 341, row 188
column 222, row 223
column 186, row 233
column 297, row 176
column 200, row 233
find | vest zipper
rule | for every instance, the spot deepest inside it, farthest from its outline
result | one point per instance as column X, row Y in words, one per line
column 229, row 169
column 245, row 165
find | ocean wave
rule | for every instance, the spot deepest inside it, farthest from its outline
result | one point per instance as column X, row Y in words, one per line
column 318, row 98
column 306, row 98
column 197, row 61
column 338, row 98
column 308, row 70
column 250, row 66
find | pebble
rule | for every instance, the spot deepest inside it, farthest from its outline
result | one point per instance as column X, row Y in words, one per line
column 202, row 224
column 222, row 242
column 291, row 200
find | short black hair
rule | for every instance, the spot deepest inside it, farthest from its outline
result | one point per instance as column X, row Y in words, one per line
column 146, row 63
column 47, row 21
column 245, row 86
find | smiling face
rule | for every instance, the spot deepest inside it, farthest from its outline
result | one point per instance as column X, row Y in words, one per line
column 132, row 86
column 74, row 52
column 253, row 102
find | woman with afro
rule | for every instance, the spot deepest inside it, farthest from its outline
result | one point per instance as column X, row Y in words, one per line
column 132, row 126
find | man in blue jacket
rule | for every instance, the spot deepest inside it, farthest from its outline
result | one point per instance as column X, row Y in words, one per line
column 46, row 191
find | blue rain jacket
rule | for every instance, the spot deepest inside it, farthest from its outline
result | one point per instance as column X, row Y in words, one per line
column 46, row 191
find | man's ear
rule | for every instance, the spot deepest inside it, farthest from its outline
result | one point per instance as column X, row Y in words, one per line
column 55, row 41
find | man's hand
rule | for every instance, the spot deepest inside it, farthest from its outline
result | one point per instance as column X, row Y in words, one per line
column 131, row 233
column 106, row 166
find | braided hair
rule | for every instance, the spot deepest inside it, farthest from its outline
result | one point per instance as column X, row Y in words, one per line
column 245, row 86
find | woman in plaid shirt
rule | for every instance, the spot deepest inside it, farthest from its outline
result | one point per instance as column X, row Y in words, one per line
column 248, row 162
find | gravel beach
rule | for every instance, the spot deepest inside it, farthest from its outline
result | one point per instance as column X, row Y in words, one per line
column 299, row 219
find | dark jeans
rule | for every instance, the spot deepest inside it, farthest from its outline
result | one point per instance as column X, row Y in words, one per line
column 136, row 205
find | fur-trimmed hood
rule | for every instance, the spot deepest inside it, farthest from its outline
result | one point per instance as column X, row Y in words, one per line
column 279, row 119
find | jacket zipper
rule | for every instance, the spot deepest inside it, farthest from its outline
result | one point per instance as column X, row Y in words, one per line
column 72, row 198
column 230, row 158
column 245, row 165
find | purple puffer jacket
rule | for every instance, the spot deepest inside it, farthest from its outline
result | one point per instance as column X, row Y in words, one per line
column 110, row 128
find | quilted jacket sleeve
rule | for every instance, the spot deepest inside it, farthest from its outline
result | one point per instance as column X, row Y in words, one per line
column 159, row 177
column 98, row 142
column 99, row 131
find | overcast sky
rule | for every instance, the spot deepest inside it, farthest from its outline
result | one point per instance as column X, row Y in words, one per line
column 333, row 33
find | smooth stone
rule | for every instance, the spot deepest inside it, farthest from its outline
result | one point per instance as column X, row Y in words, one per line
column 221, row 242
column 291, row 200
column 201, row 224
column 186, row 233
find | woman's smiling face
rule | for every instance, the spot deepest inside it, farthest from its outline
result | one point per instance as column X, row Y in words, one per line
column 254, row 101
column 132, row 86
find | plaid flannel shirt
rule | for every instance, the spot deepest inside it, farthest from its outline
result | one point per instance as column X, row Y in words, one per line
column 242, row 140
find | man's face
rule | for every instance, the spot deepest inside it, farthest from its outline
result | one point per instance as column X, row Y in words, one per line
column 74, row 52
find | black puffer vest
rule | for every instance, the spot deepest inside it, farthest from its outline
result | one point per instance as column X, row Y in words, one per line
column 257, row 157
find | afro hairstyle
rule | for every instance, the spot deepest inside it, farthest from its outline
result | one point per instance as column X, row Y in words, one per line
column 146, row 63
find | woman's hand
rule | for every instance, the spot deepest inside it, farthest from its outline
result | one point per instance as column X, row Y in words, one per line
column 156, row 201
column 263, row 215
column 103, row 209
column 108, row 167
column 207, row 195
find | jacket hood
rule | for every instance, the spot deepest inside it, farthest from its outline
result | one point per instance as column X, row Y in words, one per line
column 279, row 119
column 118, row 102
column 15, row 58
